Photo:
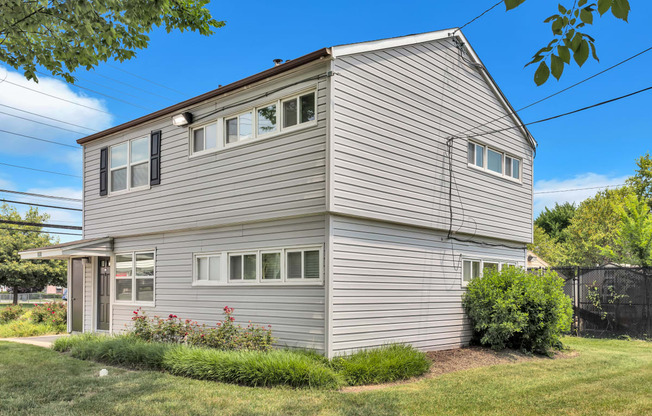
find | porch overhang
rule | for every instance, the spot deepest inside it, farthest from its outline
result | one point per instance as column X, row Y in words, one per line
column 80, row 248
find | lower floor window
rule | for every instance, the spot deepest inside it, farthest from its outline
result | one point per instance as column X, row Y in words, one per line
column 134, row 277
column 472, row 268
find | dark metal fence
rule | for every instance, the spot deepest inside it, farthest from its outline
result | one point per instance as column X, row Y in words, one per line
column 609, row 301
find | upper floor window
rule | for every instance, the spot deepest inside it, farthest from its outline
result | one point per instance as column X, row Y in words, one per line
column 494, row 161
column 129, row 165
column 262, row 121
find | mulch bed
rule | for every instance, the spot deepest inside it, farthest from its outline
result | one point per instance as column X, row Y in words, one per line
column 448, row 361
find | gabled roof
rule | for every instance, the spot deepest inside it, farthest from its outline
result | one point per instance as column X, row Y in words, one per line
column 332, row 52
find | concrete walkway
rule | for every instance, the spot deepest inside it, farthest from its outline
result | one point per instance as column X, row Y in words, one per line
column 40, row 341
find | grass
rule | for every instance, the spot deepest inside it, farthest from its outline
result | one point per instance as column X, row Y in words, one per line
column 24, row 305
column 609, row 377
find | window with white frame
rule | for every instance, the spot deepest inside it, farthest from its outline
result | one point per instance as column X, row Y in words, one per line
column 207, row 269
column 494, row 161
column 238, row 128
column 294, row 265
column 129, row 165
column 472, row 268
column 298, row 110
column 204, row 138
column 134, row 277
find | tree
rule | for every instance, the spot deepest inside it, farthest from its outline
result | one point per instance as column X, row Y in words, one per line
column 594, row 226
column 547, row 248
column 569, row 37
column 634, row 237
column 63, row 35
column 17, row 273
column 641, row 182
column 555, row 221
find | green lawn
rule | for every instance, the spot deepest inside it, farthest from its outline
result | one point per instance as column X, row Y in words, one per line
column 607, row 378
column 24, row 305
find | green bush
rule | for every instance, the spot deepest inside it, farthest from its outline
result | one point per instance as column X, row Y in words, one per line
column 25, row 328
column 382, row 365
column 251, row 368
column 10, row 313
column 52, row 313
column 516, row 309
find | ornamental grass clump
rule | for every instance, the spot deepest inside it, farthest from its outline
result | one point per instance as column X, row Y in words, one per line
column 382, row 365
column 226, row 335
column 515, row 309
column 252, row 368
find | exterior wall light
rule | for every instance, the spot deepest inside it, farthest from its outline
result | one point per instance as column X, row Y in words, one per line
column 182, row 119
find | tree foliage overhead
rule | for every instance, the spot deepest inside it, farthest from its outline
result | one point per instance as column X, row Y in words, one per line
column 17, row 273
column 641, row 182
column 547, row 248
column 554, row 221
column 570, row 38
column 63, row 35
column 634, row 237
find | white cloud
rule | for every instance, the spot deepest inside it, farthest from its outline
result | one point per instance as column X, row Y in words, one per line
column 15, row 91
column 576, row 184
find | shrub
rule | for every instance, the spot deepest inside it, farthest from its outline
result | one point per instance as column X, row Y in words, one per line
column 26, row 328
column 381, row 365
column 225, row 336
column 10, row 313
column 251, row 368
column 515, row 309
column 53, row 313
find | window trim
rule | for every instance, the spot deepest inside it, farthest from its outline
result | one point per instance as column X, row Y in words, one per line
column 225, row 267
column 133, row 278
column 129, row 188
column 482, row 260
column 255, row 137
column 486, row 169
column 195, row 271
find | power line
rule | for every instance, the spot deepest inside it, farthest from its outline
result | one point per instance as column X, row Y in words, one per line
column 40, row 205
column 579, row 189
column 477, row 17
column 36, row 231
column 145, row 79
column 62, row 198
column 39, row 224
column 49, row 118
column 40, row 170
column 58, row 98
column 40, row 122
column 132, row 86
column 561, row 115
column 39, row 139
column 561, row 91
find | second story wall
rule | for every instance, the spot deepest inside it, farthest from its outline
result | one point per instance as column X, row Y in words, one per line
column 281, row 175
column 393, row 111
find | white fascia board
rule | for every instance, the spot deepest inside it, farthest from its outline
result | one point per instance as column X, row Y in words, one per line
column 374, row 45
column 41, row 254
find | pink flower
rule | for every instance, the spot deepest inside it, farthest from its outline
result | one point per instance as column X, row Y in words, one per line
column 230, row 317
column 136, row 312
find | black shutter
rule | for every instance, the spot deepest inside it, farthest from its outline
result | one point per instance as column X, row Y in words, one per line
column 155, row 158
column 104, row 170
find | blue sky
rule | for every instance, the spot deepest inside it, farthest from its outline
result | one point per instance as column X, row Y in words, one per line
column 594, row 148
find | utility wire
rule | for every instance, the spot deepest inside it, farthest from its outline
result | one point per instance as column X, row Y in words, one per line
column 477, row 17
column 559, row 92
column 39, row 224
column 36, row 231
column 40, row 170
column 39, row 139
column 145, row 79
column 132, row 86
column 562, row 115
column 56, row 97
column 40, row 205
column 42, row 123
column 49, row 118
column 579, row 189
column 62, row 198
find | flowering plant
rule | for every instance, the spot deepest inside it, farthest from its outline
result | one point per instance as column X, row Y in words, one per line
column 226, row 335
column 54, row 313
column 11, row 313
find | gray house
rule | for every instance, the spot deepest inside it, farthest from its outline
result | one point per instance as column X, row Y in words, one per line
column 344, row 197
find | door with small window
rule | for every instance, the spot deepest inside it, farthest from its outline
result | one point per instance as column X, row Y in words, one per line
column 104, row 293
